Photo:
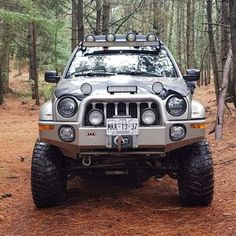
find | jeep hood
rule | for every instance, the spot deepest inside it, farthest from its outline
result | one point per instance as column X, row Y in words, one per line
column 100, row 84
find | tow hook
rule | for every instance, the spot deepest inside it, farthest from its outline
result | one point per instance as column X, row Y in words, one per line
column 86, row 161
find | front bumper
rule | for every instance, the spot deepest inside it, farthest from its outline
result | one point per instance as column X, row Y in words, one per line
column 94, row 140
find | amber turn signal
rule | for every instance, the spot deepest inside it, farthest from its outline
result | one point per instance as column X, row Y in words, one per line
column 45, row 127
column 198, row 126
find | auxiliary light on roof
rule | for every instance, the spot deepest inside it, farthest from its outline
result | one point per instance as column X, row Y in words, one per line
column 90, row 38
column 131, row 37
column 110, row 37
column 152, row 37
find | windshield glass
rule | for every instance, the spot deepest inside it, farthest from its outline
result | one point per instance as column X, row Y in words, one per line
column 111, row 62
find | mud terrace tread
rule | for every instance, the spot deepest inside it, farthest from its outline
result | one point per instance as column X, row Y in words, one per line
column 46, row 176
column 196, row 179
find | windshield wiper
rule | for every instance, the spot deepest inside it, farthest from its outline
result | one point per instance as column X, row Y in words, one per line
column 141, row 73
column 93, row 73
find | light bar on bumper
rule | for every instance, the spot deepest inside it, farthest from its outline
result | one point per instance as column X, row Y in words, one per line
column 122, row 89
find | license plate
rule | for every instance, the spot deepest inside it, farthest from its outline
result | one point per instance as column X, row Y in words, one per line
column 122, row 126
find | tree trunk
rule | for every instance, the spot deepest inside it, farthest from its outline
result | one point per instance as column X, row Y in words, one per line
column 179, row 35
column 73, row 26
column 222, row 95
column 98, row 16
column 232, row 5
column 212, row 47
column 183, row 15
column 80, row 20
column 6, row 40
column 190, row 34
column 171, row 23
column 1, row 86
column 224, row 32
column 105, row 16
column 31, row 63
column 209, row 69
column 35, row 63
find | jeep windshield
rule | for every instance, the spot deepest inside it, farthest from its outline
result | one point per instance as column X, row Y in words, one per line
column 136, row 62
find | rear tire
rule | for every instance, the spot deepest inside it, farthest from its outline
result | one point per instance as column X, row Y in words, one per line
column 48, row 180
column 196, row 175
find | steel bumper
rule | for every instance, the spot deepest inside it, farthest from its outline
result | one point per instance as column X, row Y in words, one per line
column 95, row 139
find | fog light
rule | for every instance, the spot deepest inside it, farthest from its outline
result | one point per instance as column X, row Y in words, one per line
column 95, row 117
column 67, row 133
column 148, row 117
column 177, row 132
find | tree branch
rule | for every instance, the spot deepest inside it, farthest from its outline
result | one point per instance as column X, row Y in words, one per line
column 127, row 17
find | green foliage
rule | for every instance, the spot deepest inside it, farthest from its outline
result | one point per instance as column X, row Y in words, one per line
column 46, row 90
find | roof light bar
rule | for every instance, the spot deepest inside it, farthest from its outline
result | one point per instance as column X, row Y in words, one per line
column 110, row 37
column 129, row 40
column 131, row 37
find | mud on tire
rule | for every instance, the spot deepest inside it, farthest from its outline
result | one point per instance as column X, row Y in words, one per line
column 196, row 176
column 47, row 177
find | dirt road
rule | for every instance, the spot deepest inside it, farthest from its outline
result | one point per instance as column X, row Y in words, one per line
column 108, row 208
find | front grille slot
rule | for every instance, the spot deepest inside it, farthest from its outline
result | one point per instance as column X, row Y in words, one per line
column 110, row 110
column 124, row 109
column 133, row 110
column 99, row 106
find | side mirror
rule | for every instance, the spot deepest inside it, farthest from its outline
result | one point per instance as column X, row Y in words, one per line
column 51, row 77
column 192, row 75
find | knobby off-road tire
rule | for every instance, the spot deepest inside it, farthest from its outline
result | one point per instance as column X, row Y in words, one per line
column 196, row 175
column 47, row 177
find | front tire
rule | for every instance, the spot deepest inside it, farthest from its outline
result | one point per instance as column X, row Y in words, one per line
column 47, row 176
column 196, row 176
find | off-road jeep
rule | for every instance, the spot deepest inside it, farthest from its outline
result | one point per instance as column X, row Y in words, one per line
column 122, row 107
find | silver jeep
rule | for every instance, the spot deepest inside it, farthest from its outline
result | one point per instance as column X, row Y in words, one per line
column 122, row 107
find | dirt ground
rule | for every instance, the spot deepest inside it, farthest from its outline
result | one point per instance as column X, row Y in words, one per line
column 108, row 208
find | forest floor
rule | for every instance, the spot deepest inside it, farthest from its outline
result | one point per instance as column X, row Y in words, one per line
column 108, row 208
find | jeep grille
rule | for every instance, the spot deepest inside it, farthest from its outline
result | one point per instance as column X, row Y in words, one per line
column 122, row 109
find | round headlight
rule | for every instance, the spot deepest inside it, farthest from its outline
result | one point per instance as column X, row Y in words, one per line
column 157, row 87
column 151, row 37
column 176, row 106
column 148, row 117
column 110, row 37
column 131, row 37
column 86, row 88
column 67, row 133
column 95, row 117
column 67, row 107
column 90, row 38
